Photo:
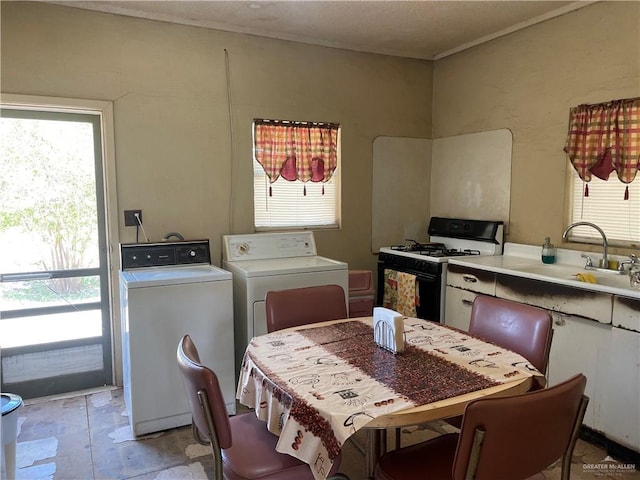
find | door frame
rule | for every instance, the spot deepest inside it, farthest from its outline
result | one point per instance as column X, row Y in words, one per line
column 110, row 201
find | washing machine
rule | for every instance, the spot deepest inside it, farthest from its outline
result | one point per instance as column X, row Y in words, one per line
column 262, row 262
column 167, row 290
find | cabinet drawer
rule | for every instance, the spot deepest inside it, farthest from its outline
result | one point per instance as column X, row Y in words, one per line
column 558, row 298
column 458, row 308
column 475, row 280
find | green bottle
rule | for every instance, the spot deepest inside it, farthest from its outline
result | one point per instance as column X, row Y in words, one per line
column 548, row 251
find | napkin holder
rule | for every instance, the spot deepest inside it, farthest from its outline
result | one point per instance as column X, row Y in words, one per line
column 388, row 329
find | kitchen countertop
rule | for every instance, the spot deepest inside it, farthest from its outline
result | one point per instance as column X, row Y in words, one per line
column 524, row 261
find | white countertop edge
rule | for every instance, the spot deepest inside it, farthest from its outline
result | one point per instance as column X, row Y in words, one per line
column 517, row 256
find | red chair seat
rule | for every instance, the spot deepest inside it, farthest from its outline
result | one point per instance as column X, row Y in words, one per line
column 512, row 438
column 253, row 456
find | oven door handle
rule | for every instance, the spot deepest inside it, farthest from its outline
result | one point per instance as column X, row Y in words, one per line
column 425, row 277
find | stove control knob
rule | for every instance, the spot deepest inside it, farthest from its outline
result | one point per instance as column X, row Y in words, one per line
column 148, row 256
column 192, row 253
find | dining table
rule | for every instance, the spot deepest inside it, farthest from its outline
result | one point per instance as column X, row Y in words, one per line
column 317, row 385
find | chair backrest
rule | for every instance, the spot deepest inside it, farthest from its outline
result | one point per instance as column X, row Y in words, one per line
column 517, row 437
column 521, row 328
column 197, row 379
column 301, row 306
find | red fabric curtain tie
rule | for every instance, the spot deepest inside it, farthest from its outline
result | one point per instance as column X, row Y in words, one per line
column 289, row 169
column 317, row 170
column 604, row 167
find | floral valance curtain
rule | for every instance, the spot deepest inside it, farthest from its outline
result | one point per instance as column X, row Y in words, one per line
column 605, row 138
column 296, row 150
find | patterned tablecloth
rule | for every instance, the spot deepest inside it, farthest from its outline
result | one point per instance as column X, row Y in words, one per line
column 315, row 387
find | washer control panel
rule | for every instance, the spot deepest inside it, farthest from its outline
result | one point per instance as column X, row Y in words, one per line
column 143, row 255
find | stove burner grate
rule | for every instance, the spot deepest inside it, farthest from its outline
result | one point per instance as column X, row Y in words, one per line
column 420, row 247
column 436, row 250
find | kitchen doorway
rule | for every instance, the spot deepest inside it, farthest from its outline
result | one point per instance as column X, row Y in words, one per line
column 55, row 328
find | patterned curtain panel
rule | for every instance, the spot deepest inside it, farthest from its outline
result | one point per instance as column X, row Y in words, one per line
column 296, row 151
column 605, row 138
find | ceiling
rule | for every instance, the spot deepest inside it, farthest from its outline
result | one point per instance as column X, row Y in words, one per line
column 421, row 29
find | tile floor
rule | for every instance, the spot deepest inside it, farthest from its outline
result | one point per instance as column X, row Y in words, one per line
column 88, row 437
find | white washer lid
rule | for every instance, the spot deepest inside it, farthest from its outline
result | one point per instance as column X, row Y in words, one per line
column 285, row 266
column 175, row 275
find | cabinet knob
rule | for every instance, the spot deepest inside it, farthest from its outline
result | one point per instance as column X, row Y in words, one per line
column 469, row 278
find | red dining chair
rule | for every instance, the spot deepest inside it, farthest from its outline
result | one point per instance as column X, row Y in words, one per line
column 521, row 328
column 242, row 446
column 513, row 438
column 301, row 306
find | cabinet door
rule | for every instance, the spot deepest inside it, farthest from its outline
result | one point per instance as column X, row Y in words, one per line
column 622, row 387
column 582, row 346
column 458, row 308
column 626, row 313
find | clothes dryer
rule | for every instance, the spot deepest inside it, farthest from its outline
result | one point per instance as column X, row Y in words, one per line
column 262, row 262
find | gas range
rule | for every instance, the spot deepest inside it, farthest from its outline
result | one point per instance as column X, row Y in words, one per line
column 448, row 238
column 451, row 237
column 429, row 253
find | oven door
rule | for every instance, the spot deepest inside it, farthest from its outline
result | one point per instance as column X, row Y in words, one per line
column 429, row 288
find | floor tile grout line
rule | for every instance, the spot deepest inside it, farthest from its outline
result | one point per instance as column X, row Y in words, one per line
column 93, row 463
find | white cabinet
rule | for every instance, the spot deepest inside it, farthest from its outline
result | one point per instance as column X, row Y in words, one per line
column 621, row 385
column 582, row 346
column 464, row 284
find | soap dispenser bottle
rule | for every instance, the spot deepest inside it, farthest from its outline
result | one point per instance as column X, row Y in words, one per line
column 548, row 251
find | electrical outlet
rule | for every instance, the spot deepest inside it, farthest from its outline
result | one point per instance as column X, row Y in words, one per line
column 130, row 218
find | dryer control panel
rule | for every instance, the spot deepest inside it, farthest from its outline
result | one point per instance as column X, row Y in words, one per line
column 261, row 246
column 143, row 255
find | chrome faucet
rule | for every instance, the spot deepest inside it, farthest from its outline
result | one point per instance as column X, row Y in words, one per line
column 604, row 262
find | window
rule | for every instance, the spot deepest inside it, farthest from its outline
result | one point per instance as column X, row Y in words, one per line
column 296, row 174
column 605, row 206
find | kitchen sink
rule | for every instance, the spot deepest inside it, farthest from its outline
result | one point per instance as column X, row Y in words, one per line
column 568, row 272
column 551, row 270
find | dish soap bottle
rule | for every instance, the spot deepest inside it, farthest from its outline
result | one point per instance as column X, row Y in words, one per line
column 548, row 251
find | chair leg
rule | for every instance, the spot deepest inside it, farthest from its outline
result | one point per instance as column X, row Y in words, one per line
column 474, row 455
column 213, row 436
column 398, row 433
column 566, row 458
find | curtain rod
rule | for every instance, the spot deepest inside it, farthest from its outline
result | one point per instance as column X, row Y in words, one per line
column 612, row 102
column 263, row 121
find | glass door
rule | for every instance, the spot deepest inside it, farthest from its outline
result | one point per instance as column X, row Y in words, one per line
column 55, row 333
